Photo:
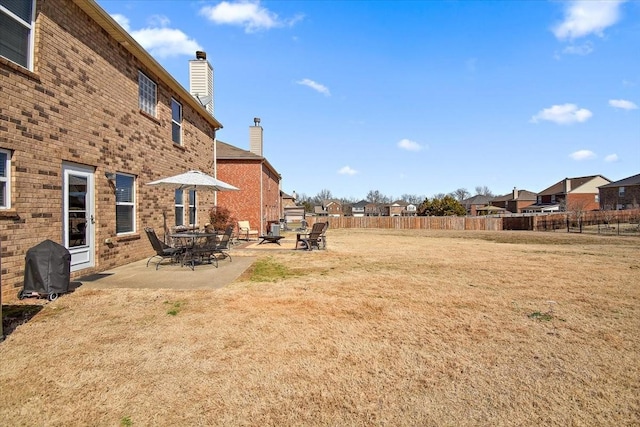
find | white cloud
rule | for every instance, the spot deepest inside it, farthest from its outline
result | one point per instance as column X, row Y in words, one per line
column 583, row 155
column 582, row 50
column 122, row 20
column 409, row 145
column 584, row 17
column 563, row 114
column 611, row 158
column 346, row 170
column 248, row 14
column 623, row 103
column 160, row 41
column 158, row 21
column 315, row 86
column 165, row 42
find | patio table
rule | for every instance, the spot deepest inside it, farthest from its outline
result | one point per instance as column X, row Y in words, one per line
column 189, row 241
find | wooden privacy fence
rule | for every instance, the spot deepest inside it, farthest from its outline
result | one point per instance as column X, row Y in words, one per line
column 531, row 222
column 413, row 222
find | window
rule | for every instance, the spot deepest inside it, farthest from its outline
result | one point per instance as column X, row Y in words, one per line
column 192, row 207
column 5, row 179
column 597, row 198
column 125, row 204
column 620, row 191
column 179, row 207
column 176, row 122
column 147, row 97
column 16, row 31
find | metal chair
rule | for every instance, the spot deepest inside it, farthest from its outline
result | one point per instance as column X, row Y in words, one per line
column 163, row 251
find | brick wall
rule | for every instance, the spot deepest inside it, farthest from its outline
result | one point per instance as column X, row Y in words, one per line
column 80, row 105
column 610, row 197
column 252, row 203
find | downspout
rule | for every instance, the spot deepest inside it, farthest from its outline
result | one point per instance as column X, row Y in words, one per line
column 261, row 198
column 215, row 165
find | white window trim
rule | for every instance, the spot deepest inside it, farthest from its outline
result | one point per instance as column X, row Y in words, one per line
column 132, row 204
column 193, row 205
column 178, row 123
column 31, row 26
column 621, row 191
column 179, row 205
column 7, row 180
column 147, row 88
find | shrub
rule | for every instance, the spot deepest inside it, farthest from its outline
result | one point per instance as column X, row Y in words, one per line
column 220, row 217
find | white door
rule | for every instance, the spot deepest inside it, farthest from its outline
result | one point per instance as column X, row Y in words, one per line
column 78, row 221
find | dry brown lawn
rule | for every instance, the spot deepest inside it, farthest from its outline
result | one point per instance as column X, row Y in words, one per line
column 387, row 327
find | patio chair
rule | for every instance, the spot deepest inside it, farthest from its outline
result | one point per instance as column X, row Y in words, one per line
column 245, row 231
column 163, row 251
column 315, row 238
column 224, row 244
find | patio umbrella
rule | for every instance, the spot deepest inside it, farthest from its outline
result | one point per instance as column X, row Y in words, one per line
column 194, row 180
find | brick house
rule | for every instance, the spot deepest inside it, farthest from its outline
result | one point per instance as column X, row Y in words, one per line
column 622, row 194
column 87, row 119
column 258, row 200
column 329, row 208
column 516, row 201
column 472, row 204
column 570, row 194
column 397, row 208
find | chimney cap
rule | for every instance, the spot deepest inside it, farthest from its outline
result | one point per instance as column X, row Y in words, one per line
column 256, row 121
column 200, row 54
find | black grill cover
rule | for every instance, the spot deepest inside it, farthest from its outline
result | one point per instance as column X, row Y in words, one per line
column 47, row 268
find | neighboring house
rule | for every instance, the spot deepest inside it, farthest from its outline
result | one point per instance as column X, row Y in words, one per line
column 358, row 208
column 87, row 119
column 290, row 211
column 258, row 200
column 373, row 209
column 411, row 210
column 623, row 194
column 515, row 201
column 328, row 208
column 570, row 194
column 396, row 208
column 473, row 203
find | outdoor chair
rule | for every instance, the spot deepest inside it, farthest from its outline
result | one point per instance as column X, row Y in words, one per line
column 245, row 231
column 163, row 251
column 223, row 245
column 316, row 238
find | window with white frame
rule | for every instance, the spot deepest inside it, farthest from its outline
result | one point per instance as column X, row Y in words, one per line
column 176, row 122
column 179, row 207
column 192, row 207
column 620, row 191
column 147, row 94
column 16, row 31
column 5, row 179
column 125, row 204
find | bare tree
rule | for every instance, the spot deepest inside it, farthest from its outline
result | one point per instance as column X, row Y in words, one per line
column 414, row 199
column 461, row 193
column 483, row 190
column 324, row 194
column 374, row 196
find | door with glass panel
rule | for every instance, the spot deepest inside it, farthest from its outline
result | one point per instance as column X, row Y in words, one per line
column 79, row 220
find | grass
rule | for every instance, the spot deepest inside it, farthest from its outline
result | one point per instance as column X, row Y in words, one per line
column 387, row 327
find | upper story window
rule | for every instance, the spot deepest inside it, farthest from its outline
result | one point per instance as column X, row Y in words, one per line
column 125, row 204
column 5, row 179
column 179, row 207
column 176, row 122
column 16, row 31
column 147, row 93
column 621, row 191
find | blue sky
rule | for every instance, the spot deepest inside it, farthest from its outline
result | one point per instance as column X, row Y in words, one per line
column 414, row 97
